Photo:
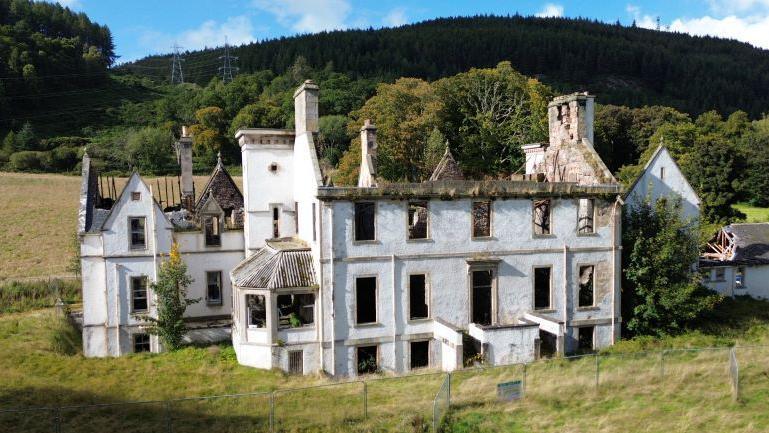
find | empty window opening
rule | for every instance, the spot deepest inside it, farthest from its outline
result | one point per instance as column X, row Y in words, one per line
column 295, row 362
column 212, row 228
column 138, row 238
column 314, row 233
column 420, row 354
column 586, row 286
column 546, row 345
column 273, row 168
column 275, row 223
column 296, row 217
column 418, row 220
column 257, row 311
column 481, row 219
column 214, row 287
column 662, row 172
column 586, row 216
column 296, row 310
column 365, row 221
column 542, row 217
column 585, row 338
column 139, row 300
column 136, row 196
column 482, row 281
column 542, row 288
column 739, row 277
column 418, row 302
column 720, row 274
column 365, row 300
column 367, row 359
column 141, row 343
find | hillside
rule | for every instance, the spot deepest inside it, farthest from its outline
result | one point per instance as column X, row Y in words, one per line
column 622, row 65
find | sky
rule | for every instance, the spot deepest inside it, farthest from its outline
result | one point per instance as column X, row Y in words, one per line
column 144, row 27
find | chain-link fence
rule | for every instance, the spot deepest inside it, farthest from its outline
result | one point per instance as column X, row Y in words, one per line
column 419, row 402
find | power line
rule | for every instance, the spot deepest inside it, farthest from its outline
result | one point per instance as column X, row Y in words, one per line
column 227, row 69
column 177, row 75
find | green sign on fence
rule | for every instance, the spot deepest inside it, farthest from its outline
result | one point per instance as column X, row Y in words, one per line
column 509, row 391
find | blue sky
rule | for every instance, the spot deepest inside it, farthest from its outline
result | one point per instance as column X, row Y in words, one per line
column 142, row 27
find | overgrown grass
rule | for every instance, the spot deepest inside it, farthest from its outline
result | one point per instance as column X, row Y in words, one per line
column 17, row 296
column 753, row 214
column 688, row 391
column 64, row 338
column 39, row 215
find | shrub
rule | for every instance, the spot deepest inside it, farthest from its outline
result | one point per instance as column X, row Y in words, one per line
column 25, row 160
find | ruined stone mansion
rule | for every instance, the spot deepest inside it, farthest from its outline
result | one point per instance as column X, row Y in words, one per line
column 381, row 276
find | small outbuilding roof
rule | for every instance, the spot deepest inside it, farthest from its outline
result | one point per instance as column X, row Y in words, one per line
column 280, row 264
column 739, row 244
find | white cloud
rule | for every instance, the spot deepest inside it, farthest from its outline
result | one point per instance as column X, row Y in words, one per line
column 308, row 16
column 641, row 20
column 550, row 10
column 727, row 7
column 753, row 29
column 396, row 17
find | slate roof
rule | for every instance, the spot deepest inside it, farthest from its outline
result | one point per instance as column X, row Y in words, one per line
column 223, row 189
column 751, row 245
column 281, row 263
column 447, row 168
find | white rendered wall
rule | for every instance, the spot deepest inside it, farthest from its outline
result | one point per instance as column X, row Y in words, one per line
column 672, row 184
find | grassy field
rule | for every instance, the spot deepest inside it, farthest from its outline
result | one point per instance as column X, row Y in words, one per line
column 754, row 214
column 687, row 392
column 39, row 212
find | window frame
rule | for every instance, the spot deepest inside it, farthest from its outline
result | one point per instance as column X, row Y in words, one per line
column 376, row 301
column 296, row 292
column 355, row 239
column 148, row 342
column 550, row 306
column 209, row 300
column 427, row 220
column 133, row 298
column 551, row 225
column 579, row 288
column 249, row 308
column 131, row 245
column 592, row 337
column 217, row 218
column 275, row 212
column 722, row 277
column 136, row 196
column 472, row 220
column 357, row 358
column 428, row 297
column 480, row 267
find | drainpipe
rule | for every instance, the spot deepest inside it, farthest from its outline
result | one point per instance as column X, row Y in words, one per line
column 117, row 310
column 320, row 288
column 331, row 288
column 565, row 296
column 395, row 313
column 615, row 286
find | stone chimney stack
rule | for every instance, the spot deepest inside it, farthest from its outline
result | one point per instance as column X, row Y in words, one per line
column 306, row 108
column 570, row 119
column 367, row 176
column 184, row 153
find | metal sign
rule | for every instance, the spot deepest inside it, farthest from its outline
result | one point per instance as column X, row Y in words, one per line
column 509, row 391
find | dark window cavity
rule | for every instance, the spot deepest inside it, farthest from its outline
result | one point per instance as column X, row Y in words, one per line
column 482, row 282
column 542, row 288
column 420, row 354
column 585, row 216
column 314, row 232
column 296, row 310
column 138, row 238
column 212, row 228
column 257, row 311
column 585, row 338
column 586, row 286
column 136, row 196
column 139, row 300
column 542, row 217
column 720, row 274
column 214, row 287
column 275, row 223
column 418, row 220
column 365, row 300
column 365, row 218
column 367, row 359
column 418, row 302
column 141, row 343
column 481, row 219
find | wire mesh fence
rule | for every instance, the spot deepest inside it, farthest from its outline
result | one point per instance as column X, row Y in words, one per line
column 422, row 400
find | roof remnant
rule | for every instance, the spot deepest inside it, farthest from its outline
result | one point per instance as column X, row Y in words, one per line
column 280, row 264
column 738, row 244
column 222, row 188
column 447, row 168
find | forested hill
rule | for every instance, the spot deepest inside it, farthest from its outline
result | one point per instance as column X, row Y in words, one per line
column 622, row 65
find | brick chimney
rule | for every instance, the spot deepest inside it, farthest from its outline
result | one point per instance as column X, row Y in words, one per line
column 570, row 119
column 306, row 108
column 184, row 153
column 367, row 176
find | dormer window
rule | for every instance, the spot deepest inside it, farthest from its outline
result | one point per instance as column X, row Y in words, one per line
column 212, row 229
column 138, row 237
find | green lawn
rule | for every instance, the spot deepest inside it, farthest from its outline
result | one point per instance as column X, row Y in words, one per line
column 638, row 391
column 754, row 214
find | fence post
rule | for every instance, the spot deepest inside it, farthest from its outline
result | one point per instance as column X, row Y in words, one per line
column 272, row 412
column 448, row 393
column 57, row 417
column 524, row 381
column 169, row 418
column 597, row 369
column 365, row 400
